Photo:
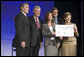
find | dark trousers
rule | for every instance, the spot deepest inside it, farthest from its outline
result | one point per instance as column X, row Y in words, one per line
column 34, row 51
column 22, row 51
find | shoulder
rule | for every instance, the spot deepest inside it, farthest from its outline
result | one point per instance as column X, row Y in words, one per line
column 59, row 18
column 31, row 18
column 41, row 20
column 44, row 24
column 54, row 23
column 18, row 16
column 74, row 24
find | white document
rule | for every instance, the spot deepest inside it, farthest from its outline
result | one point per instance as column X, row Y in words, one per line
column 64, row 30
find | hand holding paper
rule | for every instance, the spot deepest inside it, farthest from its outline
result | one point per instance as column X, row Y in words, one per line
column 64, row 30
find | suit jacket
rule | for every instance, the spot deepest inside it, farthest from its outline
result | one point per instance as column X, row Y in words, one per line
column 22, row 26
column 47, row 34
column 60, row 21
column 36, row 35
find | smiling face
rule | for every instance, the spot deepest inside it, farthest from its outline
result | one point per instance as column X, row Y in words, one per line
column 25, row 8
column 36, row 12
column 55, row 13
column 50, row 16
column 68, row 18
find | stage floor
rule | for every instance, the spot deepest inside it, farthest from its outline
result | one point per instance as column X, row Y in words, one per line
column 6, row 49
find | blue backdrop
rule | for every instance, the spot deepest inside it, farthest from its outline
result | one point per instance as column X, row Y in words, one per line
column 9, row 10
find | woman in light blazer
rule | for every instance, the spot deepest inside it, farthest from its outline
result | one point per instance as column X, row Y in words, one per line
column 48, row 31
column 69, row 43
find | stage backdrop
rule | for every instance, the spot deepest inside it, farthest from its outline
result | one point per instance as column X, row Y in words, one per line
column 9, row 10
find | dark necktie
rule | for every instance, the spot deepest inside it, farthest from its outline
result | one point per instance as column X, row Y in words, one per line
column 37, row 23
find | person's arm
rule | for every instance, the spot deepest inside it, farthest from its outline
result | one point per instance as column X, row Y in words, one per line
column 44, row 33
column 76, row 31
column 41, row 38
column 19, row 29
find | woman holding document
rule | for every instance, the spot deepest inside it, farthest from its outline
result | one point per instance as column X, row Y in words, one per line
column 69, row 43
column 48, row 31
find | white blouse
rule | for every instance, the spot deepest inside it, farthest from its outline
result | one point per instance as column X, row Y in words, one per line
column 51, row 30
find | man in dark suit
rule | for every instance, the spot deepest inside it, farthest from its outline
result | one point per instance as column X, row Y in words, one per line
column 55, row 16
column 57, row 21
column 22, row 27
column 36, row 32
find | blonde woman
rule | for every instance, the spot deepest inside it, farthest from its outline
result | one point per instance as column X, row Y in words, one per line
column 69, row 43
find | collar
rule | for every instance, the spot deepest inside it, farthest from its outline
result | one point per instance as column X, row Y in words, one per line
column 55, row 18
column 35, row 18
column 23, row 13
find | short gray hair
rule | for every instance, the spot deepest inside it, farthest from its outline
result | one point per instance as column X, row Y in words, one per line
column 37, row 7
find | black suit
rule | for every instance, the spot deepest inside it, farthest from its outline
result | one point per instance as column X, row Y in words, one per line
column 36, row 37
column 22, row 27
column 60, row 21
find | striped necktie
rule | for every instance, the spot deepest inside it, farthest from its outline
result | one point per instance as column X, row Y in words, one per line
column 37, row 23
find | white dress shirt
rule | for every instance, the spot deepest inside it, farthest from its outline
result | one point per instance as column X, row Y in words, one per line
column 24, row 13
column 35, row 19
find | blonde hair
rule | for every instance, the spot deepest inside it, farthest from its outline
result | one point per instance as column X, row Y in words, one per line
column 67, row 14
